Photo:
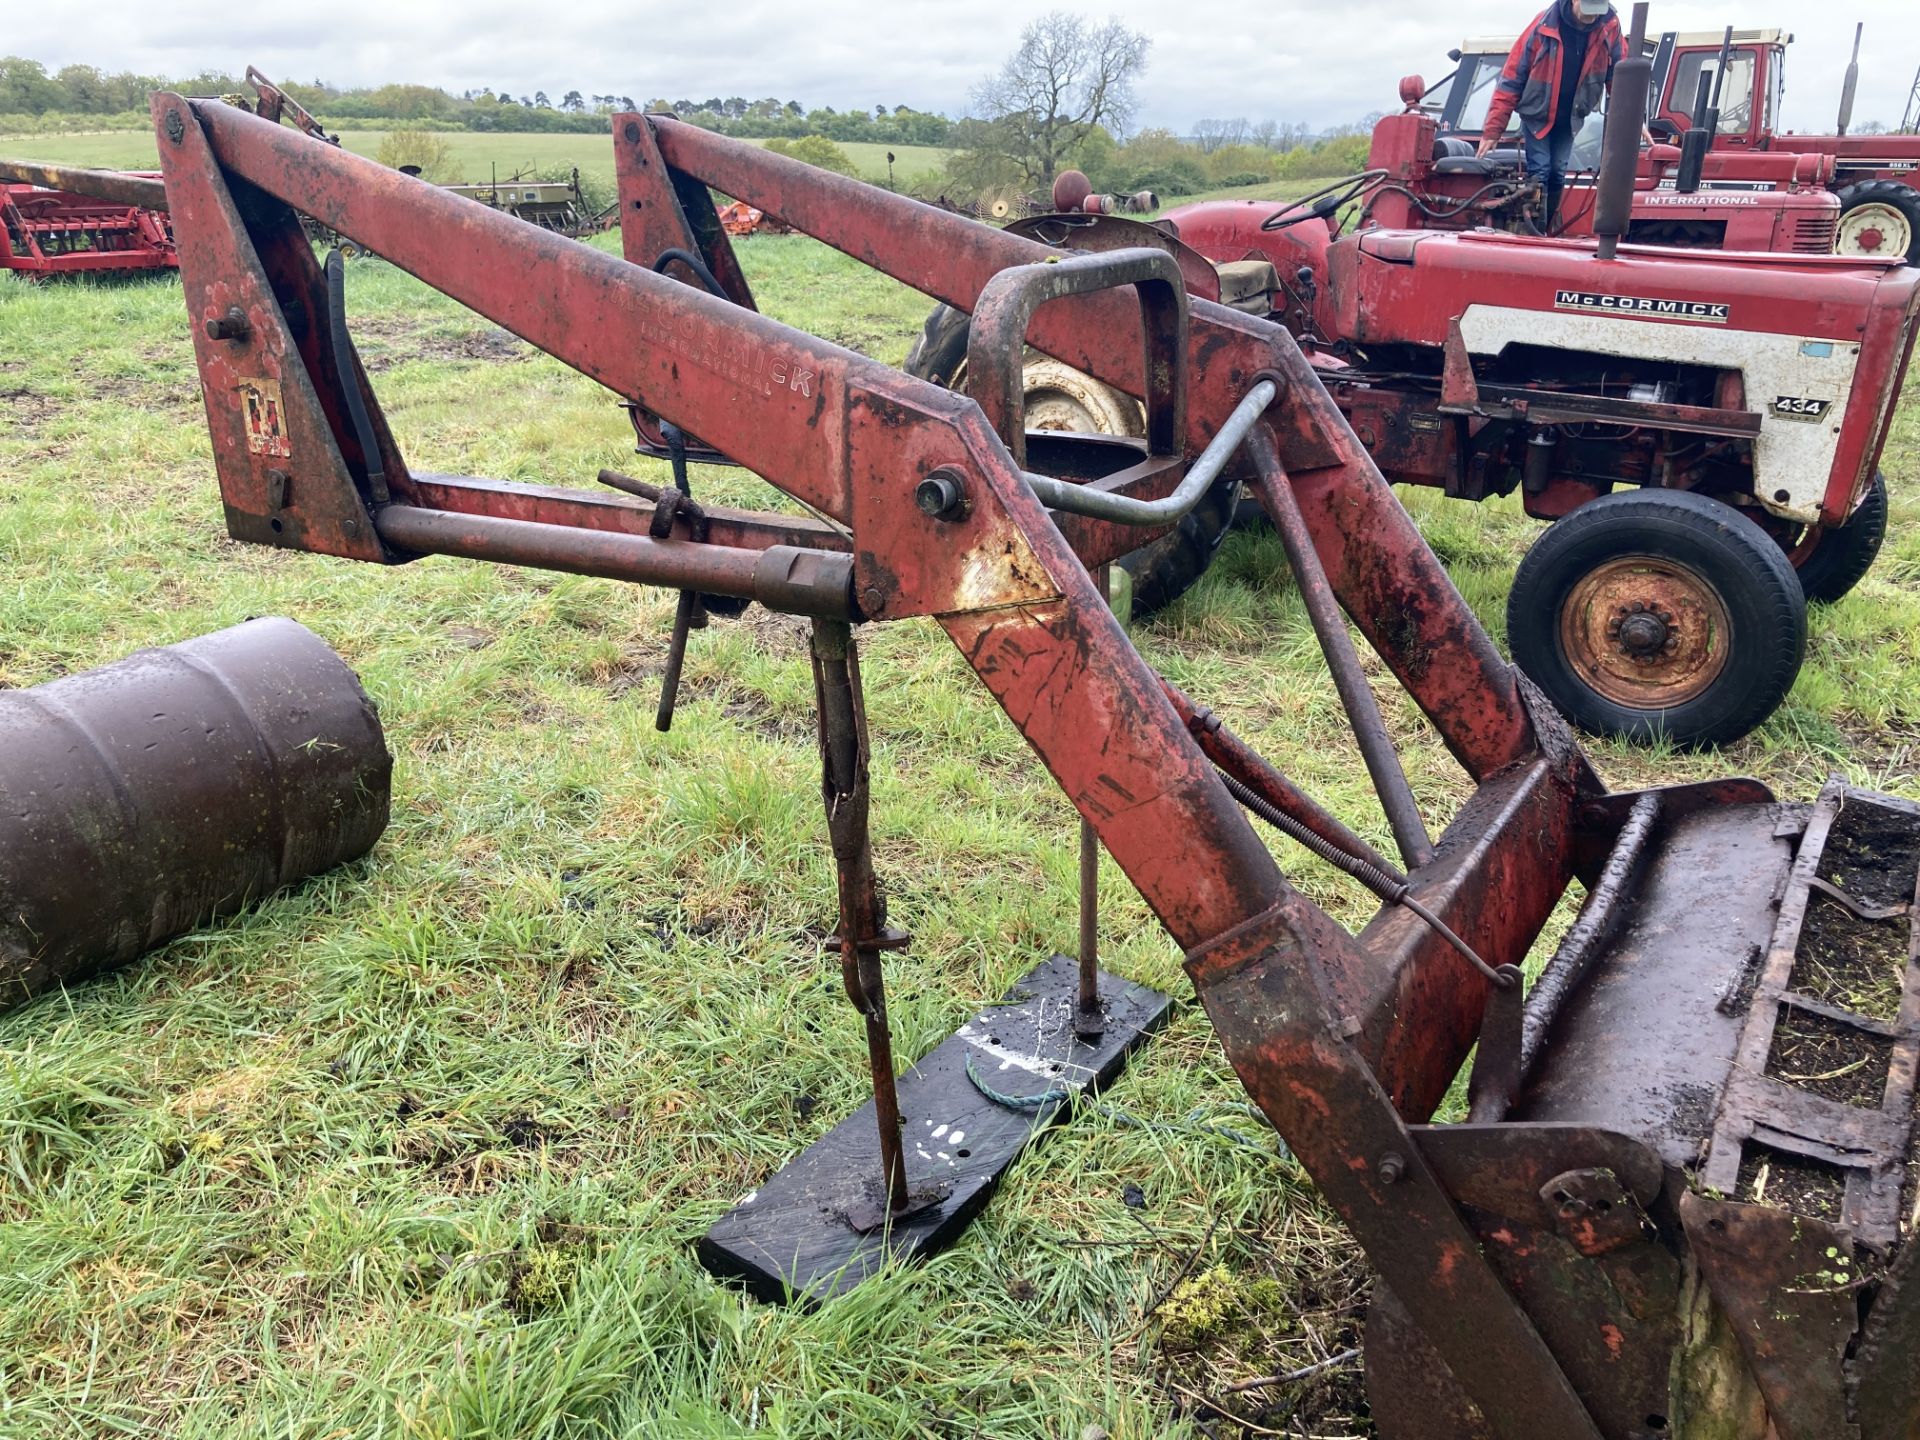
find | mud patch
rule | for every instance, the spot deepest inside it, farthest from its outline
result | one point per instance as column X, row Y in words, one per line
column 1872, row 853
column 1791, row 1182
column 24, row 408
column 1859, row 965
column 394, row 343
column 1827, row 1058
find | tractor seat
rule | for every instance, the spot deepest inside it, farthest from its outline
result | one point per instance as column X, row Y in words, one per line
column 1495, row 164
column 1248, row 285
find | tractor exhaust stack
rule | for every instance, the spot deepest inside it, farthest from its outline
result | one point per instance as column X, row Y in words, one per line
column 1851, row 83
column 1613, row 205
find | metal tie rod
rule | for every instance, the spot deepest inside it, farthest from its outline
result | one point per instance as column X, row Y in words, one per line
column 1126, row 510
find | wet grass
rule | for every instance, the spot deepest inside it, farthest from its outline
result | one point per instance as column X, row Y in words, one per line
column 420, row 1148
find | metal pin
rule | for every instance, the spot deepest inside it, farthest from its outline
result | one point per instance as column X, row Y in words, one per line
column 1088, row 1021
column 863, row 931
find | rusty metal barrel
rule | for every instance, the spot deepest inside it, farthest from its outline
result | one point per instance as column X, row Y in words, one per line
column 147, row 797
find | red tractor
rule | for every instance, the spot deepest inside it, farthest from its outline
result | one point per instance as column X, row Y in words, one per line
column 1743, row 202
column 1873, row 175
column 1698, row 426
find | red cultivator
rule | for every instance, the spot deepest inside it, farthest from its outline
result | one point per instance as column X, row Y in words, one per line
column 1680, row 1204
column 53, row 231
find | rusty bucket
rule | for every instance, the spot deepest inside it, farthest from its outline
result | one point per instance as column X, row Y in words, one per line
column 151, row 795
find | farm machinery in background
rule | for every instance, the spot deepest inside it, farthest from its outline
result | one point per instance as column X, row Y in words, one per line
column 47, row 230
column 557, row 205
column 1743, row 71
column 1665, row 1216
column 1639, row 398
column 1429, row 177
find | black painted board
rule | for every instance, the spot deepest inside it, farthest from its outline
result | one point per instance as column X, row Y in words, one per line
column 791, row 1239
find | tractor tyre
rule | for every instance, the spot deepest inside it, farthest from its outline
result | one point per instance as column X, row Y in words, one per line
column 1659, row 613
column 1162, row 570
column 1840, row 558
column 1879, row 218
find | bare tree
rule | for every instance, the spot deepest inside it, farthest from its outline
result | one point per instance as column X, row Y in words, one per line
column 1211, row 135
column 1067, row 77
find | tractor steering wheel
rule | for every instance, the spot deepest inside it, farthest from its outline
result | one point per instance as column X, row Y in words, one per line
column 1325, row 201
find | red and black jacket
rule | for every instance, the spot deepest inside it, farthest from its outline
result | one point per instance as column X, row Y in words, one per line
column 1530, row 83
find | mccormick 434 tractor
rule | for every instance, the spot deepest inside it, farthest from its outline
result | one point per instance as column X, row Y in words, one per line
column 1873, row 175
column 1657, row 1221
column 1699, row 425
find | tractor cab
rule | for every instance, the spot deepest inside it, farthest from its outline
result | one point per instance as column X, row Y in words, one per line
column 1750, row 94
column 1434, row 180
column 1873, row 177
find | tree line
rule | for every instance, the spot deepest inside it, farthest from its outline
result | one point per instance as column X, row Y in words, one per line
column 28, row 90
column 1064, row 97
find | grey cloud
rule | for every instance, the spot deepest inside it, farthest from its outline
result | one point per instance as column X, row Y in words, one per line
column 1323, row 64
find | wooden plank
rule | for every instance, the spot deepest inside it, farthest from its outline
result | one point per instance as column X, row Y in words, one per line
column 793, row 1239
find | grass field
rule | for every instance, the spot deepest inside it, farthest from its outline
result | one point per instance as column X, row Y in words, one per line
column 474, row 154
column 420, row 1149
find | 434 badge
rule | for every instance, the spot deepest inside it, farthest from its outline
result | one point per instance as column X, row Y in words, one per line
column 1800, row 407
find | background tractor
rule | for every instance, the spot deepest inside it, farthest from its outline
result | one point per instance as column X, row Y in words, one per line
column 1698, row 425
column 1873, row 176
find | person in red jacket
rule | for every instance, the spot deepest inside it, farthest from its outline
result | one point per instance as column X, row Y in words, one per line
column 1554, row 78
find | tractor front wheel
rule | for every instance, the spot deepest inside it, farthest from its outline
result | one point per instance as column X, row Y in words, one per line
column 1059, row 397
column 1654, row 613
column 1880, row 219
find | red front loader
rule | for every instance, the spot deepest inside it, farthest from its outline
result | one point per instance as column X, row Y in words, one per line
column 1658, row 1219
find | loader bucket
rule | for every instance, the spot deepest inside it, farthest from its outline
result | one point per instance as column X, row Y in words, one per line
column 1702, row 1188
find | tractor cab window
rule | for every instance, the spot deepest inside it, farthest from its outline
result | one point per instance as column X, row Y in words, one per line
column 1776, row 89
column 1477, row 74
column 1736, row 95
column 1585, row 154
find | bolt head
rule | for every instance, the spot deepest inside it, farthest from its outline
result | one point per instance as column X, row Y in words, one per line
column 1392, row 1168
column 940, row 496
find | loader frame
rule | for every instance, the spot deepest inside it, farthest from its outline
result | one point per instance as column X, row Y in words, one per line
column 1346, row 1041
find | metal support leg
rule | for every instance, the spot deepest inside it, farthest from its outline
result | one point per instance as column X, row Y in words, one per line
column 1376, row 746
column 863, row 930
column 1088, row 1023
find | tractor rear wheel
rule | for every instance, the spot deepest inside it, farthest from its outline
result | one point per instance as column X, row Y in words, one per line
column 1062, row 398
column 1881, row 219
column 1839, row 559
column 1654, row 613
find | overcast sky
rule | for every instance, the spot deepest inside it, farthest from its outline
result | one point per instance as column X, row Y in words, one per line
column 1282, row 60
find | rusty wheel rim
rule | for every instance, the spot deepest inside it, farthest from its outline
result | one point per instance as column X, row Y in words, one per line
column 1645, row 632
